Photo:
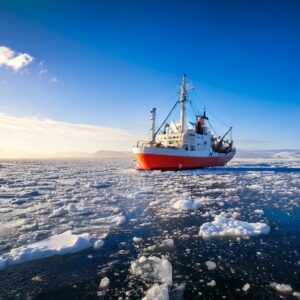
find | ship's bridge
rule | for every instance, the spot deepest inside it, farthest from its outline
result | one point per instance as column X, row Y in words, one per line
column 189, row 140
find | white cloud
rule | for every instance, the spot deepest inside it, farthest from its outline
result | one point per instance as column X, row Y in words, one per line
column 46, row 136
column 53, row 80
column 15, row 61
column 43, row 71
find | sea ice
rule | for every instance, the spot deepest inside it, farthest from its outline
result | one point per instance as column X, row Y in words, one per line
column 157, row 292
column 104, row 283
column 137, row 239
column 296, row 295
column 211, row 283
column 118, row 220
column 57, row 213
column 100, row 185
column 98, row 244
column 153, row 268
column 58, row 244
column 281, row 287
column 246, row 287
column 222, row 226
column 210, row 265
column 259, row 211
column 167, row 244
column 186, row 204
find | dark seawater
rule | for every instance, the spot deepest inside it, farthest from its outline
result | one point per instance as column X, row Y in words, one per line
column 32, row 190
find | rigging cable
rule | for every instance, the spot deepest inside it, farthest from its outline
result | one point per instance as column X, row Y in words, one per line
column 165, row 120
column 211, row 113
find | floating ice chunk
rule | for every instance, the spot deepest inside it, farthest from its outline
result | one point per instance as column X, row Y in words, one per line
column 37, row 278
column 235, row 215
column 206, row 214
column 98, row 244
column 296, row 295
column 211, row 283
column 58, row 244
column 137, row 239
column 57, row 213
column 281, row 287
column 104, row 283
column 157, row 292
column 259, row 211
column 222, row 226
column 153, row 268
column 118, row 220
column 186, row 205
column 210, row 265
column 246, row 287
column 167, row 244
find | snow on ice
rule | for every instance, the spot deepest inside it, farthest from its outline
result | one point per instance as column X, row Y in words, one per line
column 98, row 244
column 246, row 287
column 186, row 204
column 153, row 269
column 157, row 292
column 223, row 226
column 58, row 244
column 57, row 213
column 281, row 287
column 210, row 265
column 211, row 283
column 104, row 283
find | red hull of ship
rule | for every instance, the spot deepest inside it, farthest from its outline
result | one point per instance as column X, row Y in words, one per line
column 170, row 162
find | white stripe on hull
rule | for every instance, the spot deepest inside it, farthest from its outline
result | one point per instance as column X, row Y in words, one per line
column 180, row 152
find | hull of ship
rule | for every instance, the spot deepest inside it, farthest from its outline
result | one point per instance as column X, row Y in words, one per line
column 178, row 159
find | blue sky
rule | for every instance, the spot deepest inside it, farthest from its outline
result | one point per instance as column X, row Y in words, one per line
column 107, row 63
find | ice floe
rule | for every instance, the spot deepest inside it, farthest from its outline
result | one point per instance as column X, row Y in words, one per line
column 157, row 292
column 246, row 287
column 153, row 269
column 96, row 197
column 211, row 283
column 137, row 239
column 58, row 244
column 211, row 265
column 118, row 220
column 296, row 295
column 186, row 204
column 57, row 213
column 104, row 283
column 223, row 226
column 167, row 244
column 98, row 244
column 281, row 287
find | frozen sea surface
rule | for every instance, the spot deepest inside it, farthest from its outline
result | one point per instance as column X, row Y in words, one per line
column 152, row 218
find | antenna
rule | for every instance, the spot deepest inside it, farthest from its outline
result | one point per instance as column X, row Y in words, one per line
column 182, row 103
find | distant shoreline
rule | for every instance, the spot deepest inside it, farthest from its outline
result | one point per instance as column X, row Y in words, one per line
column 106, row 154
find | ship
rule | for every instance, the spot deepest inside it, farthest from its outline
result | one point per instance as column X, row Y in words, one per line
column 182, row 146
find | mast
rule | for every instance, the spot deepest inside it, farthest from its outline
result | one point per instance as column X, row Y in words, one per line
column 152, row 128
column 182, row 103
